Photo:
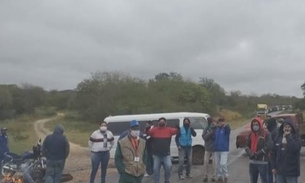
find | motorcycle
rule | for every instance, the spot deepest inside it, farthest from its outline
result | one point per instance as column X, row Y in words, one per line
column 12, row 162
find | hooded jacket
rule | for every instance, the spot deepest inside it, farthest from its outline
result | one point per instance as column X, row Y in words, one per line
column 56, row 146
column 286, row 159
column 258, row 143
column 271, row 125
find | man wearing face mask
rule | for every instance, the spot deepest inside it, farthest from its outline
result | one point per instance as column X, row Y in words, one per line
column 258, row 145
column 130, row 156
column 285, row 154
column 162, row 136
column 100, row 143
column 184, row 144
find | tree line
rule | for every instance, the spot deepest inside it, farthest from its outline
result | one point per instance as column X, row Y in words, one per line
column 113, row 93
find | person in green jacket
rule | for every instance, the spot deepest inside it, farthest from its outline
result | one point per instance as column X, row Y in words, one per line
column 130, row 156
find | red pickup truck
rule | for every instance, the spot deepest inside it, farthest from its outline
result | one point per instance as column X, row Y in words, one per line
column 296, row 119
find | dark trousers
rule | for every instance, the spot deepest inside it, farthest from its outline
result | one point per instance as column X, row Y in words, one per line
column 97, row 159
column 270, row 174
column 54, row 171
column 126, row 178
column 150, row 163
column 258, row 169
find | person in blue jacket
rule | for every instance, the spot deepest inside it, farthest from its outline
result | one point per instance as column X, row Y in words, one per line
column 221, row 147
column 285, row 154
column 3, row 143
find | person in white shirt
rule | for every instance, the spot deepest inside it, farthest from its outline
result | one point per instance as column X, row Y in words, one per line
column 100, row 143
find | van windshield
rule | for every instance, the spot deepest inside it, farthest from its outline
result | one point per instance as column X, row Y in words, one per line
column 198, row 122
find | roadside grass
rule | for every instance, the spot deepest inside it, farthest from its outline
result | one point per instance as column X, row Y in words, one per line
column 20, row 133
column 77, row 131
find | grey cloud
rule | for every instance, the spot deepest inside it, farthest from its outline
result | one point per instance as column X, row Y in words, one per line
column 252, row 46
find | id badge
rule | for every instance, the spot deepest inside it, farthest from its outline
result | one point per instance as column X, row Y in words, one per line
column 137, row 159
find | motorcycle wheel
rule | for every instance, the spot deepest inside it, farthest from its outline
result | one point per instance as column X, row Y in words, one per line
column 37, row 175
column 5, row 172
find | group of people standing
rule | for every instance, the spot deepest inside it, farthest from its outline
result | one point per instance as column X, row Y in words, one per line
column 273, row 152
column 144, row 153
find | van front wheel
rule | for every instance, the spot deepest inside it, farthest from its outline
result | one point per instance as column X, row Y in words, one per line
column 198, row 155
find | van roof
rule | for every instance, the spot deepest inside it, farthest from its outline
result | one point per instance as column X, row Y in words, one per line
column 154, row 116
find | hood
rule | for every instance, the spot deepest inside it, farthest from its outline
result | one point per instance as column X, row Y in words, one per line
column 59, row 129
column 285, row 123
column 260, row 122
column 271, row 124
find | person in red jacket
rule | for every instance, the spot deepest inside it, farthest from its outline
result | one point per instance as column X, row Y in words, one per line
column 161, row 141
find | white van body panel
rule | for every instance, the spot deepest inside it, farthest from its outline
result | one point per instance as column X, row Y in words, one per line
column 198, row 121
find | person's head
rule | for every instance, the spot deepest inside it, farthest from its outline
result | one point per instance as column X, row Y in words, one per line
column 103, row 126
column 162, row 122
column 210, row 120
column 186, row 122
column 3, row 131
column 256, row 124
column 287, row 128
column 271, row 124
column 134, row 129
column 221, row 121
column 59, row 129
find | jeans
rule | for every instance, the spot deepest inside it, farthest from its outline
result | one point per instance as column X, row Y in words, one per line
column 209, row 165
column 185, row 152
column 284, row 179
column 98, row 158
column 222, row 164
column 258, row 169
column 270, row 174
column 167, row 165
column 149, row 164
column 126, row 178
column 54, row 171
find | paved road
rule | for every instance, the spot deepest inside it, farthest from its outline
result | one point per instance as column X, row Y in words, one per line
column 238, row 166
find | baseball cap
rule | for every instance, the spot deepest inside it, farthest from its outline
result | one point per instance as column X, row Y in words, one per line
column 134, row 123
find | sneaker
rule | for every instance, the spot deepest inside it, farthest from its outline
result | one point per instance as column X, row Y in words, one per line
column 146, row 175
column 189, row 176
column 213, row 179
column 181, row 177
column 219, row 180
column 205, row 179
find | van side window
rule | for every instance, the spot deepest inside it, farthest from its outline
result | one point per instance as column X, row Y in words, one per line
column 119, row 127
column 172, row 123
column 198, row 123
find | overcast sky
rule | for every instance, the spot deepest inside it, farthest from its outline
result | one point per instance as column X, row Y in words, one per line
column 253, row 46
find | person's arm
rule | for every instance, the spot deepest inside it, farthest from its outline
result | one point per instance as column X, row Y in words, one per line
column 150, row 131
column 273, row 154
column 111, row 140
column 67, row 149
column 193, row 132
column 248, row 147
column 174, row 131
column 145, row 156
column 90, row 142
column 44, row 146
column 206, row 135
column 118, row 159
column 177, row 139
column 227, row 129
column 267, row 146
column 293, row 143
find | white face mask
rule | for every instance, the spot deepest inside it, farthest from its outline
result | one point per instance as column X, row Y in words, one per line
column 135, row 133
column 103, row 128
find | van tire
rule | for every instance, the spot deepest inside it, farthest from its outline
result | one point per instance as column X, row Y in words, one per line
column 198, row 155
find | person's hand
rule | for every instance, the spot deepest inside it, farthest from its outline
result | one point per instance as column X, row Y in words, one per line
column 286, row 133
column 273, row 171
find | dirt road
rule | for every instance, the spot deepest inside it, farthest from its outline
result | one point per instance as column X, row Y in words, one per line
column 78, row 163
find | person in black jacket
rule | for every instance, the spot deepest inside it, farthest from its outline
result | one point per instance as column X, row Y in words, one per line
column 271, row 125
column 56, row 149
column 150, row 160
column 285, row 154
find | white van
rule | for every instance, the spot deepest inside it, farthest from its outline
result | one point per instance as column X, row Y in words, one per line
column 119, row 124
